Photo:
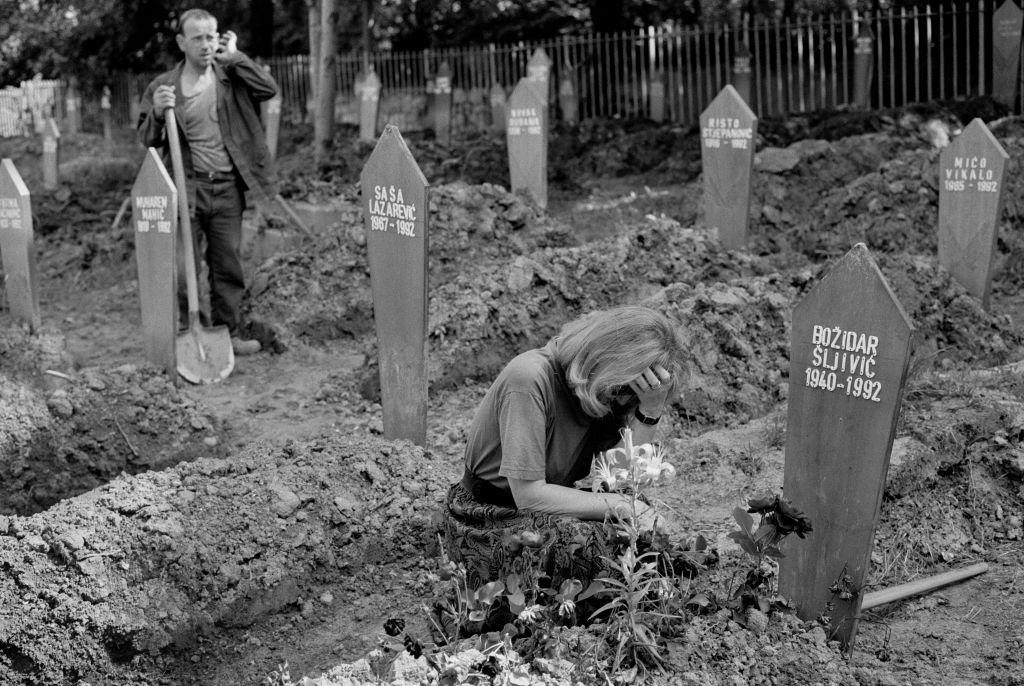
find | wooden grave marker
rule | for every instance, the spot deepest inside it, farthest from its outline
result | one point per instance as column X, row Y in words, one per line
column 526, row 131
column 270, row 112
column 17, row 247
column 728, row 130
column 108, row 129
column 272, row 123
column 538, row 72
column 863, row 67
column 657, row 96
column 460, row 106
column 568, row 103
column 498, row 115
column 849, row 349
column 443, row 104
column 1006, row 31
column 478, row 108
column 155, row 218
column 369, row 106
column 971, row 171
column 394, row 193
column 51, row 154
column 741, row 73
column 73, row 110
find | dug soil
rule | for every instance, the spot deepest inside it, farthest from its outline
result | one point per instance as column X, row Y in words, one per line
column 262, row 530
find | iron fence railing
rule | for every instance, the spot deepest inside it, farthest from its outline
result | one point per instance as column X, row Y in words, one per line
column 920, row 54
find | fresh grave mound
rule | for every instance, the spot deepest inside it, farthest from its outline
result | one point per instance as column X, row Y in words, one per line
column 321, row 289
column 734, row 305
column 824, row 198
column 492, row 312
column 820, row 198
column 66, row 430
column 147, row 563
column 959, row 492
column 952, row 328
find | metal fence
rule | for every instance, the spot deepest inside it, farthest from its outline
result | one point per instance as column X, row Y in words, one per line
column 919, row 54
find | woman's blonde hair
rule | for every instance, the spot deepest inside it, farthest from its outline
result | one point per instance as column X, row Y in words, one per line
column 604, row 350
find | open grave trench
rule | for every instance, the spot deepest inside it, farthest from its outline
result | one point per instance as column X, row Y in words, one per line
column 130, row 528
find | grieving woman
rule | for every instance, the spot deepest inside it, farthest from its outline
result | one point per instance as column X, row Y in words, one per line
column 535, row 434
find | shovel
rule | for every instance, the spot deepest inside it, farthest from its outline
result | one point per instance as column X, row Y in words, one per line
column 204, row 353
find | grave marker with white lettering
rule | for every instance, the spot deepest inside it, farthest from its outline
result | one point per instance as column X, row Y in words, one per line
column 443, row 104
column 369, row 106
column 155, row 218
column 1007, row 22
column 971, row 170
column 849, row 349
column 728, row 132
column 51, row 154
column 394, row 196
column 526, row 131
column 498, row 115
column 17, row 247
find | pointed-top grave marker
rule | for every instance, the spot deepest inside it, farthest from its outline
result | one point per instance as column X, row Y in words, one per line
column 538, row 72
column 51, row 136
column 155, row 216
column 849, row 348
column 497, row 98
column 728, row 129
column 657, row 96
column 394, row 193
column 971, row 170
column 527, row 134
column 567, row 100
column 369, row 105
column 863, row 66
column 1007, row 22
column 443, row 104
column 17, row 247
column 270, row 111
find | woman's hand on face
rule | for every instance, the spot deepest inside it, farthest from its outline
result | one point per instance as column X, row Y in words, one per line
column 652, row 388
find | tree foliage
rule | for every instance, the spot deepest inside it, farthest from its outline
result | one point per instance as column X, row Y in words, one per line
column 89, row 38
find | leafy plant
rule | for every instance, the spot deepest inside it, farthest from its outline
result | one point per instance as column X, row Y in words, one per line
column 779, row 518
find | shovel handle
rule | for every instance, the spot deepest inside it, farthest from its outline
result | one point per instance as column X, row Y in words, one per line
column 184, row 219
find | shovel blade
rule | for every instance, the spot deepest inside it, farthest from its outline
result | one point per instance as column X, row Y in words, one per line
column 204, row 354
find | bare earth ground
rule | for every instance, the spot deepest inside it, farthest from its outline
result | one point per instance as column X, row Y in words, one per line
column 280, row 415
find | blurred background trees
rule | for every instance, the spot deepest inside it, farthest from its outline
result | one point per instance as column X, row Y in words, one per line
column 88, row 38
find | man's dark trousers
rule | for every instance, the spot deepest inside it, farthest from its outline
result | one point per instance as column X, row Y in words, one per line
column 217, row 215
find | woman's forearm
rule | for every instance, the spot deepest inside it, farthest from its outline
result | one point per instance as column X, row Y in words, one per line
column 539, row 496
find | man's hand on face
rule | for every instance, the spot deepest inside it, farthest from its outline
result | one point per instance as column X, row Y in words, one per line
column 228, row 46
column 163, row 97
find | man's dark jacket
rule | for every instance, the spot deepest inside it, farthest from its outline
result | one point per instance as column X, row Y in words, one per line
column 241, row 85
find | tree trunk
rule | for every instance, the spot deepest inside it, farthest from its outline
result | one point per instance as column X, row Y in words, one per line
column 367, row 17
column 314, row 48
column 323, row 127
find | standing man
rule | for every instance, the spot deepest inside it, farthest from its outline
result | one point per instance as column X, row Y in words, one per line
column 214, row 93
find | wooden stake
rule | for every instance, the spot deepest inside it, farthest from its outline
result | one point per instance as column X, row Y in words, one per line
column 889, row 595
